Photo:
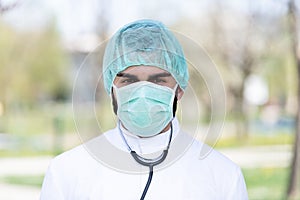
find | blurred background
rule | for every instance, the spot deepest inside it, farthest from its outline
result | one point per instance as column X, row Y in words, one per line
column 254, row 44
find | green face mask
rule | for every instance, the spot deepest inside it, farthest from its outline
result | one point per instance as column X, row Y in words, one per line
column 145, row 108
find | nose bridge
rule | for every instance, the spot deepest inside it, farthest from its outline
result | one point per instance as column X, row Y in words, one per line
column 141, row 90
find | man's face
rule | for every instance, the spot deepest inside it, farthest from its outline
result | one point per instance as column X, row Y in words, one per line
column 145, row 73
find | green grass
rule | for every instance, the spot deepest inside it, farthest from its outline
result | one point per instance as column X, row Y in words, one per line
column 266, row 183
column 35, row 181
column 256, row 140
column 25, row 153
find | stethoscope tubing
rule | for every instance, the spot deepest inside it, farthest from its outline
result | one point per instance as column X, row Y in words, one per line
column 146, row 161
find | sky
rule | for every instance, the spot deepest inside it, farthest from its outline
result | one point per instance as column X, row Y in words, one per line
column 78, row 17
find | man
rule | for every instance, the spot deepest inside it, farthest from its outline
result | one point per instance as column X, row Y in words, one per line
column 147, row 156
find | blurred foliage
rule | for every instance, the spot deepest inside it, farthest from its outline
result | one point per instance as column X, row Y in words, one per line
column 244, row 44
column 33, row 67
column 51, row 129
column 34, row 132
column 276, row 64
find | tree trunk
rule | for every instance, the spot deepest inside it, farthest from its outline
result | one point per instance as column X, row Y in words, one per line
column 293, row 191
column 240, row 114
column 294, row 180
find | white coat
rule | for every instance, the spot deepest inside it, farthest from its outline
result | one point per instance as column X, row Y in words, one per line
column 102, row 169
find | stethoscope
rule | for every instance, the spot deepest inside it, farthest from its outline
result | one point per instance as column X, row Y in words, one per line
column 146, row 161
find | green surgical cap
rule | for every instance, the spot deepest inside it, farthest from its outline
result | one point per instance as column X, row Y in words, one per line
column 144, row 42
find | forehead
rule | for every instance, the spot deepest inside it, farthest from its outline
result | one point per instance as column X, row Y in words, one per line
column 144, row 70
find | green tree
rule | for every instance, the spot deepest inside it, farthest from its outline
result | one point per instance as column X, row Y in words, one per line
column 33, row 66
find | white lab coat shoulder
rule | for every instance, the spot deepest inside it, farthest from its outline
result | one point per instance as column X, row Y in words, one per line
column 213, row 170
column 69, row 175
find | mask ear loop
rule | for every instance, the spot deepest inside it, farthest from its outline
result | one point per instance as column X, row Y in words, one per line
column 175, row 89
column 146, row 161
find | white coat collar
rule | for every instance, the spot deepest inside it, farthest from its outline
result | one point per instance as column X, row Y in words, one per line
column 142, row 145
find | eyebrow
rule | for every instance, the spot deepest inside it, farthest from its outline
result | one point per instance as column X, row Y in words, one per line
column 126, row 75
column 159, row 75
column 151, row 77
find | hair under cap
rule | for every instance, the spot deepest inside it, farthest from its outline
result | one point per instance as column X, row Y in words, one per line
column 144, row 42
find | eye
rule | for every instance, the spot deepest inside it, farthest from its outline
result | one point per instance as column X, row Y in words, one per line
column 158, row 81
column 128, row 81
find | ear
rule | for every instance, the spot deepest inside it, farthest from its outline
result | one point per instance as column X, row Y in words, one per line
column 179, row 93
column 114, row 102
